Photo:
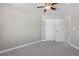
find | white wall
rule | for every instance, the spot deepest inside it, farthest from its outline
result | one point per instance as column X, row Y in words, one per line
column 74, row 12
column 18, row 26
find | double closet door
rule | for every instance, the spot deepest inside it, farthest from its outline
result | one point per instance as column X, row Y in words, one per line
column 54, row 29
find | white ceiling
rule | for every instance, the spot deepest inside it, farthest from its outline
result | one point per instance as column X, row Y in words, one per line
column 62, row 8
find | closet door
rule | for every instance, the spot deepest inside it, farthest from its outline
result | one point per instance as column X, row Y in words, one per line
column 49, row 29
column 59, row 33
column 54, row 29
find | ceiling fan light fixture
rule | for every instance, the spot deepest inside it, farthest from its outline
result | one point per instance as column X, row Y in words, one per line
column 47, row 7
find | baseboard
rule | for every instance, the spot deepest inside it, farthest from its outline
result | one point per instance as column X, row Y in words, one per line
column 21, row 46
column 47, row 40
column 74, row 46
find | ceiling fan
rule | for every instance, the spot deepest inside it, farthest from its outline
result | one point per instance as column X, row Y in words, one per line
column 48, row 6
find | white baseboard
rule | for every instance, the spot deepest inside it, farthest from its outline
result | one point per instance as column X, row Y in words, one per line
column 74, row 46
column 47, row 40
column 10, row 49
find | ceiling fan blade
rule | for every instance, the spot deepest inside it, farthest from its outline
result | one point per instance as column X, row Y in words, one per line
column 53, row 8
column 44, row 10
column 40, row 7
column 54, row 3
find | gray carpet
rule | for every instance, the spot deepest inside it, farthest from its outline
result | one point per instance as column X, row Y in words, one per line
column 46, row 48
